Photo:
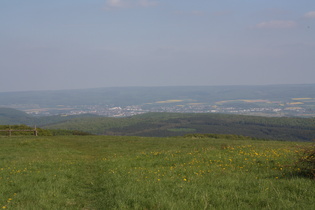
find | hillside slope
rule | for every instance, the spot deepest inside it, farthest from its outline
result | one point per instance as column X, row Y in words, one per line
column 9, row 116
column 174, row 124
column 13, row 116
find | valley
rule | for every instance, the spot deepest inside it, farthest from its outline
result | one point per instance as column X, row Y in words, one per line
column 274, row 101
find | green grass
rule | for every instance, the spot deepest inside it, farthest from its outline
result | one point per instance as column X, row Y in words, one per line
column 104, row 172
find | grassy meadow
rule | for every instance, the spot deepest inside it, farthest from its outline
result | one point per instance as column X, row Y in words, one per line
column 107, row 172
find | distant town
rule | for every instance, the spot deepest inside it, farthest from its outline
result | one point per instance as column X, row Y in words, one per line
column 273, row 100
column 302, row 107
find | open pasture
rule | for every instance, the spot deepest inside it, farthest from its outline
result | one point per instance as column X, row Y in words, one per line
column 106, row 172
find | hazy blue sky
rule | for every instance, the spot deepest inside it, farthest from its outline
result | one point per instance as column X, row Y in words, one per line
column 73, row 44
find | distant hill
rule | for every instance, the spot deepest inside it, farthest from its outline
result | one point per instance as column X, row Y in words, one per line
column 124, row 96
column 269, row 100
column 13, row 116
column 9, row 116
column 12, row 113
column 175, row 124
column 172, row 124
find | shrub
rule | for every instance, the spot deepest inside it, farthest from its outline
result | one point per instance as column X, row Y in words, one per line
column 306, row 162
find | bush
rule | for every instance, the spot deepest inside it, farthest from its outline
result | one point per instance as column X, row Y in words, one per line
column 306, row 162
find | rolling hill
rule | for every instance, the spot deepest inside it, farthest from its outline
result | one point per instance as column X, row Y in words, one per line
column 173, row 124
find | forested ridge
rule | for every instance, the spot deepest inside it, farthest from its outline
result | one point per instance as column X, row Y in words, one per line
column 172, row 124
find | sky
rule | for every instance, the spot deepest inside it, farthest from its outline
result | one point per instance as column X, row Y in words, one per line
column 77, row 44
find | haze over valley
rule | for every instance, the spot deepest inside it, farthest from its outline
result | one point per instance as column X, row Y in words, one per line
column 272, row 100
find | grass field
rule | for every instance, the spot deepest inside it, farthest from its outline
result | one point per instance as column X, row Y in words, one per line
column 104, row 172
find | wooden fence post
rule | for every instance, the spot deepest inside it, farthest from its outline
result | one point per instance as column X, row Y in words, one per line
column 10, row 131
column 35, row 131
